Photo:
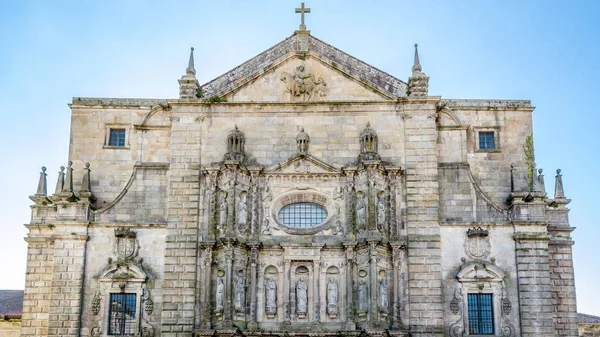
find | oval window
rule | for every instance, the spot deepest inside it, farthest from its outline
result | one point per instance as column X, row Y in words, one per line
column 302, row 215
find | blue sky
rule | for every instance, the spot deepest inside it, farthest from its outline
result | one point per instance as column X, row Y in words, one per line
column 543, row 51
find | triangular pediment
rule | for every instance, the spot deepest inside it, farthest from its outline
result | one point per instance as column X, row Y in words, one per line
column 303, row 164
column 318, row 73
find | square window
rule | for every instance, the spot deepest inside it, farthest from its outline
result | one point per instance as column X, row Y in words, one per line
column 122, row 314
column 481, row 314
column 116, row 137
column 487, row 140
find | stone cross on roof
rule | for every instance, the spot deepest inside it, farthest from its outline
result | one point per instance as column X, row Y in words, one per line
column 302, row 10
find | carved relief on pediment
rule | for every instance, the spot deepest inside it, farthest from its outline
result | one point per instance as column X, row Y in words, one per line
column 302, row 84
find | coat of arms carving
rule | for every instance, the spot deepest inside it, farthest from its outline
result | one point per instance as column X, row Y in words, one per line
column 477, row 245
column 126, row 245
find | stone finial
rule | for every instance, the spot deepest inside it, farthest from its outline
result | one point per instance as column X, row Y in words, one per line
column 85, row 193
column 418, row 82
column 559, row 192
column 235, row 145
column 512, row 177
column 42, row 189
column 188, row 84
column 302, row 140
column 40, row 197
column 190, row 70
column 541, row 183
column 417, row 64
column 369, row 144
column 85, row 183
column 535, row 182
column 68, row 185
column 61, row 180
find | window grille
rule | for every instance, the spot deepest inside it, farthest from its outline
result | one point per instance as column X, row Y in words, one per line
column 302, row 215
column 481, row 314
column 116, row 137
column 121, row 314
column 486, row 140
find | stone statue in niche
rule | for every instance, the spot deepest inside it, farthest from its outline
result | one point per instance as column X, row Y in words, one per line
column 381, row 211
column 302, row 84
column 270, row 296
column 382, row 301
column 242, row 209
column 220, row 294
column 363, row 297
column 240, row 295
column 338, row 193
column 361, row 219
column 301, row 297
column 332, row 297
column 223, row 212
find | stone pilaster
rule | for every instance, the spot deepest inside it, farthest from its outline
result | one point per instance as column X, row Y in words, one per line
column 179, row 296
column 350, row 324
column 253, row 325
column 533, row 273
column 422, row 199
column 64, row 316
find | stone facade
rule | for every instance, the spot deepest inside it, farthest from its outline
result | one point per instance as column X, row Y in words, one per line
column 414, row 213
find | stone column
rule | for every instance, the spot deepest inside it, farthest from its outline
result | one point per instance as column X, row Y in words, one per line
column 396, row 255
column 350, row 325
column 228, row 252
column 286, row 291
column 373, row 279
column 253, row 325
column 316, row 296
column 205, row 285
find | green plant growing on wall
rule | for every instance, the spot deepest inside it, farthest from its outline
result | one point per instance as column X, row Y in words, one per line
column 530, row 159
column 216, row 99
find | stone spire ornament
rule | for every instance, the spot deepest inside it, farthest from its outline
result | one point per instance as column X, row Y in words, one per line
column 302, row 140
column 68, row 185
column 560, row 201
column 40, row 197
column 235, row 145
column 85, row 192
column 368, row 144
column 541, row 183
column 418, row 82
column 559, row 192
column 61, row 180
column 188, row 84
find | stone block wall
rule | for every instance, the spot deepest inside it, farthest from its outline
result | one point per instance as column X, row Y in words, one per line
column 38, row 285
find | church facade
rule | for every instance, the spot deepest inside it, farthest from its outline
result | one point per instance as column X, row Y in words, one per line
column 302, row 193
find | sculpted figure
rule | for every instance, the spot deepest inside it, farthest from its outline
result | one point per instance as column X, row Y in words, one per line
column 332, row 293
column 223, row 211
column 271, row 295
column 240, row 294
column 242, row 210
column 363, row 296
column 381, row 211
column 360, row 210
column 301, row 296
column 383, row 294
column 220, row 293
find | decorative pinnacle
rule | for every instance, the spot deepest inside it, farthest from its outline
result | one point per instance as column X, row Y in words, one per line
column 559, row 192
column 42, row 187
column 190, row 68
column 417, row 66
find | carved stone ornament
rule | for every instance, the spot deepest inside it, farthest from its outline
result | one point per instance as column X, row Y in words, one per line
column 303, row 85
column 457, row 328
column 477, row 244
column 96, row 303
column 95, row 331
column 126, row 246
column 148, row 303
